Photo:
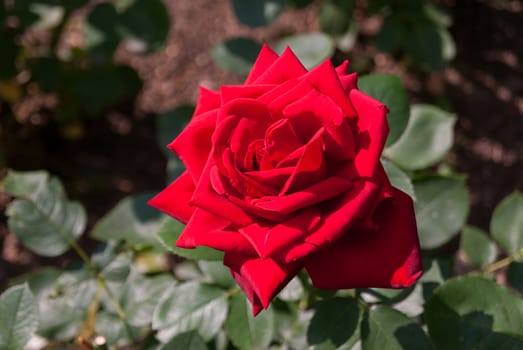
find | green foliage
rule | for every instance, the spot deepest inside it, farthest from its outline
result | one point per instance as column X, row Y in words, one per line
column 474, row 312
column 426, row 140
column 42, row 218
column 132, row 221
column 386, row 328
column 507, row 223
column 477, row 246
column 442, row 206
column 18, row 317
column 245, row 331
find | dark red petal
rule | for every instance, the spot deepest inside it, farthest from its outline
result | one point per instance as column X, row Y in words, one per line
column 338, row 218
column 206, row 198
column 280, row 140
column 268, row 238
column 265, row 59
column 319, row 192
column 275, row 178
column 341, row 70
column 325, row 79
column 311, row 167
column 232, row 92
column 316, row 110
column 174, row 199
column 372, row 132
column 261, row 279
column 388, row 257
column 207, row 101
column 286, row 67
column 349, row 82
column 193, row 145
column 206, row 229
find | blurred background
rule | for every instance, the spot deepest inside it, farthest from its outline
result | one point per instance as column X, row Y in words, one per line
column 83, row 84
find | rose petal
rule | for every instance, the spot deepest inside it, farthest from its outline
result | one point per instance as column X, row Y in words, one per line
column 206, row 198
column 319, row 192
column 372, row 134
column 288, row 93
column 339, row 216
column 280, row 140
column 267, row 239
column 286, row 67
column 207, row 101
column 315, row 110
column 232, row 92
column 206, row 229
column 311, row 167
column 174, row 199
column 260, row 279
column 265, row 59
column 325, row 79
column 193, row 145
column 349, row 82
column 388, row 257
column 341, row 70
column 275, row 178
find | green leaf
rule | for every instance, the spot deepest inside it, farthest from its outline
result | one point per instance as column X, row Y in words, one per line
column 515, row 275
column 386, row 328
column 140, row 296
column 477, row 246
column 426, row 140
column 187, row 341
column 475, row 313
column 441, row 208
column 114, row 329
column 168, row 234
column 335, row 16
column 424, row 44
column 392, row 34
column 42, row 218
column 256, row 13
column 245, row 331
column 236, row 55
column 132, row 221
column 190, row 306
column 145, row 25
column 18, row 317
column 398, row 178
column 311, row 48
column 101, row 34
column 334, row 323
column 49, row 15
column 506, row 224
column 63, row 298
column 388, row 89
column 215, row 272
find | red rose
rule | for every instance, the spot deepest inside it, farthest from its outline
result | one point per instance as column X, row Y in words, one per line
column 283, row 172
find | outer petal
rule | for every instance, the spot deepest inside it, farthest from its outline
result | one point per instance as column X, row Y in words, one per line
column 193, row 145
column 286, row 67
column 174, row 199
column 341, row 216
column 207, row 101
column 210, row 230
column 260, row 279
column 372, row 132
column 388, row 257
column 265, row 59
